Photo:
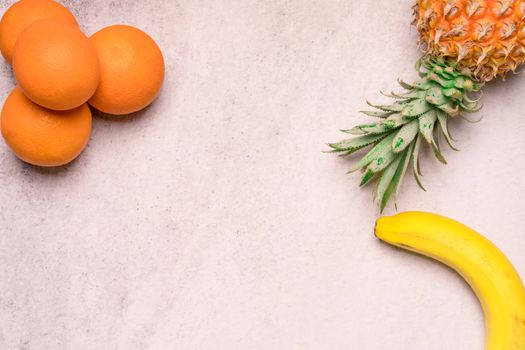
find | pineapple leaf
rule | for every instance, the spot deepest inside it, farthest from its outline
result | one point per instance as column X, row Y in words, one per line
column 393, row 95
column 471, row 107
column 377, row 165
column 436, row 148
column 369, row 176
column 405, row 162
column 436, row 97
column 405, row 85
column 460, row 82
column 354, row 131
column 415, row 162
column 424, row 85
column 375, row 128
column 470, row 99
column 417, row 94
column 382, row 161
column 396, row 107
column 385, row 182
column 399, row 168
column 441, row 72
column 450, row 70
column 380, row 148
column 395, row 121
column 426, row 125
column 453, row 92
column 405, row 136
column 416, row 108
column 353, row 145
column 422, row 64
column 450, row 108
column 377, row 114
column 443, row 124
column 447, row 84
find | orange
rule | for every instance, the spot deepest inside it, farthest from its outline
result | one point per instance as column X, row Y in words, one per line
column 56, row 65
column 131, row 70
column 23, row 13
column 41, row 136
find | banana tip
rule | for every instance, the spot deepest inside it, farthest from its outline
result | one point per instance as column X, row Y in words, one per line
column 378, row 229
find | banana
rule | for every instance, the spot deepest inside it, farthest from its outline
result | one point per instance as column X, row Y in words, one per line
column 487, row 270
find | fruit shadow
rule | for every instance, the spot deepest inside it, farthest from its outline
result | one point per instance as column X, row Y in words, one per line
column 430, row 261
column 126, row 118
column 71, row 166
column 50, row 171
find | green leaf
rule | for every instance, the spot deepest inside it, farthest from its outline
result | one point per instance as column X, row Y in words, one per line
column 394, row 96
column 376, row 128
column 380, row 148
column 436, row 148
column 459, row 82
column 405, row 162
column 477, row 87
column 421, row 63
column 377, row 114
column 469, row 99
column 426, row 125
column 415, row 162
column 395, row 107
column 405, row 136
column 443, row 73
column 424, row 84
column 394, row 182
column 451, row 70
column 453, row 93
column 443, row 82
column 395, row 121
column 354, row 131
column 470, row 107
column 450, row 108
column 416, row 108
column 436, row 97
column 386, row 181
column 443, row 124
column 405, row 85
column 417, row 94
column 369, row 175
column 382, row 161
column 355, row 144
column 378, row 165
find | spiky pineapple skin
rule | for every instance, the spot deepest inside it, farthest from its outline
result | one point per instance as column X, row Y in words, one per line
column 486, row 37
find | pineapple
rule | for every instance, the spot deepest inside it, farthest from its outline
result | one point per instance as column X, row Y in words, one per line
column 486, row 36
column 466, row 43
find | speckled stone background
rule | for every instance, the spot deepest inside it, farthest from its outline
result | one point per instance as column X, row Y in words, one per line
column 212, row 220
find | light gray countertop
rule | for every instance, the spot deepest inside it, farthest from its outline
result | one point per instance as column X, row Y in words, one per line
column 212, row 220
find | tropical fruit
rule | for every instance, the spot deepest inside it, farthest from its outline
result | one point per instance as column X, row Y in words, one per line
column 487, row 37
column 131, row 70
column 23, row 13
column 489, row 272
column 466, row 44
column 41, row 136
column 56, row 65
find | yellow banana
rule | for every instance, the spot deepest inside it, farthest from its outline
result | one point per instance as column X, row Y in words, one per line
column 487, row 270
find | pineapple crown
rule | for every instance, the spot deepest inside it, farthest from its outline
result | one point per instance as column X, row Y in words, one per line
column 420, row 114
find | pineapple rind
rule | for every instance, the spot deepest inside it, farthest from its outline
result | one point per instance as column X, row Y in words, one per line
column 421, row 113
column 486, row 37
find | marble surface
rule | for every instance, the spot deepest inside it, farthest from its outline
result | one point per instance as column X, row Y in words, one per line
column 212, row 220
